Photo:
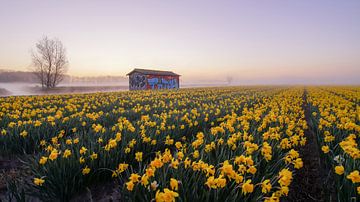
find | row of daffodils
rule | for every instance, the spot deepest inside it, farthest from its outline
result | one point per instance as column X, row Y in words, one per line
column 336, row 117
column 212, row 144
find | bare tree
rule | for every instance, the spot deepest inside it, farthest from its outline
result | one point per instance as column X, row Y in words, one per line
column 229, row 79
column 49, row 62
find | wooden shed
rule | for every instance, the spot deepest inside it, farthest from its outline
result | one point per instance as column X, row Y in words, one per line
column 141, row 79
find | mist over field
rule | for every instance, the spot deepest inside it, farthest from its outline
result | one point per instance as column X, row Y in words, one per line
column 18, row 89
column 17, row 83
column 32, row 88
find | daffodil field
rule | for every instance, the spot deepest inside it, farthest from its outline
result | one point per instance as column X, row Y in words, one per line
column 202, row 144
column 336, row 115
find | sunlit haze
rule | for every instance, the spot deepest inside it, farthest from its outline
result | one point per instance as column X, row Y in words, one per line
column 254, row 42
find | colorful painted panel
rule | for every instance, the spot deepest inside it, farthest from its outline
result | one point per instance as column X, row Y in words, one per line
column 162, row 82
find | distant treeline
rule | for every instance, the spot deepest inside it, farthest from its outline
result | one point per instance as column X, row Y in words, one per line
column 17, row 76
column 28, row 77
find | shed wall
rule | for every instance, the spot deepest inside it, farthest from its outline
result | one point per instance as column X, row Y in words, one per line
column 137, row 81
column 162, row 82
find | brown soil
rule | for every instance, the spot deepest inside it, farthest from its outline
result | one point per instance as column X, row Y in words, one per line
column 104, row 192
column 9, row 168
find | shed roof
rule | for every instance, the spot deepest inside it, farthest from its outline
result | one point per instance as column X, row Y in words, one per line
column 153, row 72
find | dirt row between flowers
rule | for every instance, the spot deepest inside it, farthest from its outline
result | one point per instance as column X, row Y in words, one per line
column 310, row 182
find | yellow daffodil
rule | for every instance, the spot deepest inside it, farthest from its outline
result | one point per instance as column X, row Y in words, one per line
column 174, row 184
column 339, row 170
column 354, row 176
column 39, row 181
column 67, row 153
column 86, row 170
column 247, row 187
column 138, row 156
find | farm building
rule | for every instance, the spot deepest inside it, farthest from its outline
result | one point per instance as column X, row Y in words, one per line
column 141, row 79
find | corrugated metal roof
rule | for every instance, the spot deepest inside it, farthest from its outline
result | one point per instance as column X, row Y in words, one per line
column 153, row 72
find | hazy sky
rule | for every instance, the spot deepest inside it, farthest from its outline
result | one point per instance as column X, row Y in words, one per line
column 287, row 41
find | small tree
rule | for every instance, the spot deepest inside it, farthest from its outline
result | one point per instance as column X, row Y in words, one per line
column 49, row 62
column 229, row 79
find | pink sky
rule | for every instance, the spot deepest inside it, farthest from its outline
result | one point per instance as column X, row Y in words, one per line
column 271, row 41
